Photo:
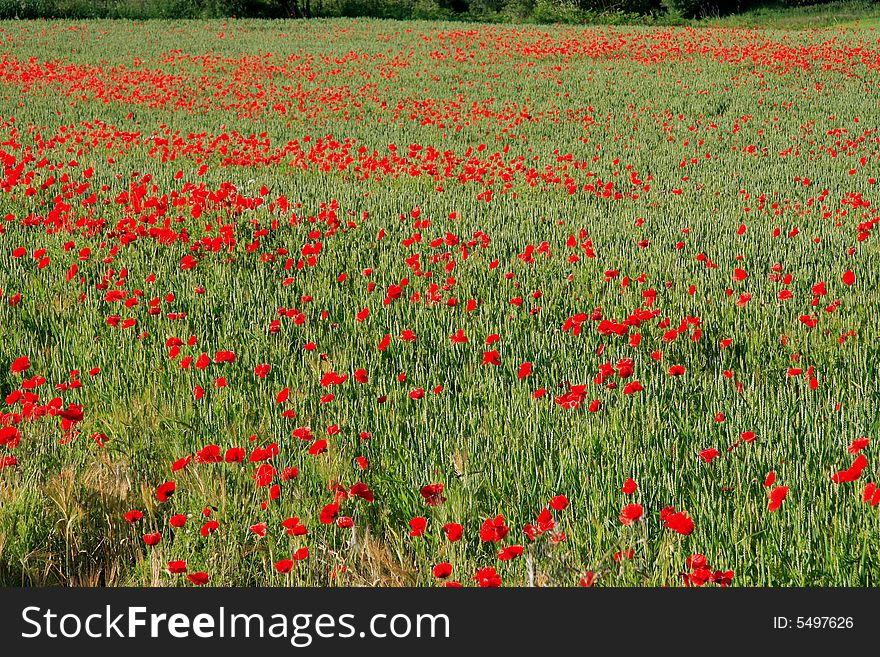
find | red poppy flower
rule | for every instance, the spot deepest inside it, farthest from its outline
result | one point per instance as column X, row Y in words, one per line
column 152, row 539
column 631, row 513
column 234, row 455
column 295, row 527
column 209, row 454
column 573, row 398
column 442, row 570
column 318, row 447
column 677, row 521
column 559, row 503
column 858, row 445
column 433, row 494
column 544, row 523
column 776, row 496
column 165, row 491
column 630, row 487
column 493, row 529
column 708, row 454
column 284, row 566
column 853, row 472
column 20, row 365
column 133, row 516
column 199, row 579
column 363, row 491
column 329, row 513
column 487, row 577
column 624, row 367
column 10, row 437
column 209, row 527
column 176, row 567
column 418, row 526
column 453, row 531
column 264, row 474
column 629, row 553
column 510, row 552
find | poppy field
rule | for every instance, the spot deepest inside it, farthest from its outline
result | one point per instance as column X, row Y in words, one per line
column 374, row 303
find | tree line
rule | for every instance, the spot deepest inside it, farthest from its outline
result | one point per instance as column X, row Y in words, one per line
column 542, row 11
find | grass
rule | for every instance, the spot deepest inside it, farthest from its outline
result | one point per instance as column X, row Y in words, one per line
column 864, row 14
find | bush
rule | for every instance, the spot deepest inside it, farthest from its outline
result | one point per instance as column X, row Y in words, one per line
column 622, row 7
column 703, row 8
column 519, row 10
column 430, row 10
column 90, row 9
column 564, row 11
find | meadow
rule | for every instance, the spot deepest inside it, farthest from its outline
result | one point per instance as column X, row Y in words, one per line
column 369, row 303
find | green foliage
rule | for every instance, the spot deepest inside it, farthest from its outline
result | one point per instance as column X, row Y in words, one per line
column 538, row 11
column 702, row 8
column 91, row 9
column 547, row 11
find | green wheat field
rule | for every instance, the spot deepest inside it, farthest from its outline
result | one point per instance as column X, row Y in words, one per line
column 377, row 303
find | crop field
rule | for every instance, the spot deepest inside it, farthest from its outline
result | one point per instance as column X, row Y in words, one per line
column 367, row 303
